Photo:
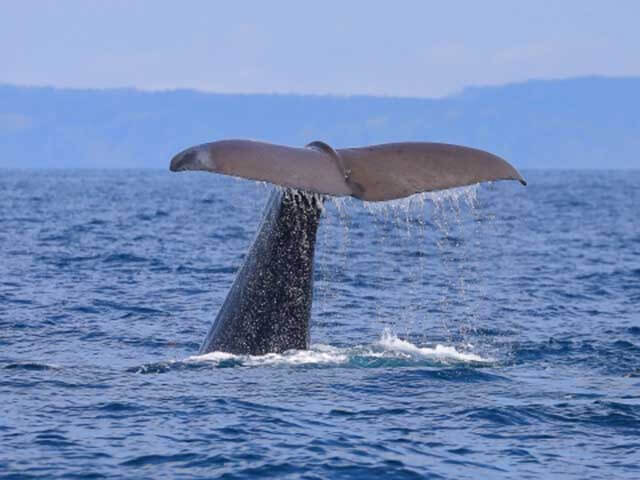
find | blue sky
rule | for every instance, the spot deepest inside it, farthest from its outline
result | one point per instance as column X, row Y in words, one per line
column 402, row 48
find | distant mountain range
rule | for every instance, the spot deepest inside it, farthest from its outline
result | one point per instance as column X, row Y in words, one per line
column 576, row 123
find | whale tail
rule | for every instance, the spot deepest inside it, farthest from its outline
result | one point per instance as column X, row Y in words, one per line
column 372, row 173
column 269, row 304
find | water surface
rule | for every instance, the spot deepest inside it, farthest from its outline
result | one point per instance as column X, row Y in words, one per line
column 482, row 333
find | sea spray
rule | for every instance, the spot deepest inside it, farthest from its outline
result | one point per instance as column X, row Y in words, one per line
column 389, row 347
column 427, row 238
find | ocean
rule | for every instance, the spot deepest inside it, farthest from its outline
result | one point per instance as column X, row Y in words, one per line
column 483, row 332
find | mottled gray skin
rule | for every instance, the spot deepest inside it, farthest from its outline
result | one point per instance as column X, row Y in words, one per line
column 268, row 307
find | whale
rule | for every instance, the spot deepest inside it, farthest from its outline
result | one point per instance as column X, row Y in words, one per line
column 268, row 307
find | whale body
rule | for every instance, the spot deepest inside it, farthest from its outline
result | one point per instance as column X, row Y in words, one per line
column 268, row 307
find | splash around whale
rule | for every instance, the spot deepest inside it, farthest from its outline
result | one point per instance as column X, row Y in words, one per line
column 387, row 351
column 268, row 307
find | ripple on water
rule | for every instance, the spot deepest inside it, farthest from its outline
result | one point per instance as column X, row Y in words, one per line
column 515, row 308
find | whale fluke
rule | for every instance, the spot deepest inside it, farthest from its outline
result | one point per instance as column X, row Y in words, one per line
column 309, row 169
column 396, row 170
column 269, row 304
column 373, row 173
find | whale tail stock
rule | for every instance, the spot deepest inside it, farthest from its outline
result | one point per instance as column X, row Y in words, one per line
column 268, row 307
column 373, row 173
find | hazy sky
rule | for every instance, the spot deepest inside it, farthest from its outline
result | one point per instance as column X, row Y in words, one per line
column 399, row 48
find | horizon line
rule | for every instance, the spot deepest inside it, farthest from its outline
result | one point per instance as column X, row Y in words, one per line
column 161, row 90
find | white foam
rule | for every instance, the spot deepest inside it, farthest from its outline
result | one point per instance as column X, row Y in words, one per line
column 293, row 357
column 298, row 357
column 389, row 346
column 389, row 341
column 216, row 357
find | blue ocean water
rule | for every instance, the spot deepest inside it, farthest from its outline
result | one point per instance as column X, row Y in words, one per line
column 489, row 332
